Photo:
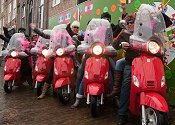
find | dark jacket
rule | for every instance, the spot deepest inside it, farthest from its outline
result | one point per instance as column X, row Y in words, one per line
column 130, row 54
column 6, row 33
column 42, row 34
column 116, row 28
column 6, row 41
column 71, row 33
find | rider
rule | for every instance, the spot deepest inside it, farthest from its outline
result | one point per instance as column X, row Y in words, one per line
column 123, row 40
column 116, row 29
column 26, row 68
column 55, row 42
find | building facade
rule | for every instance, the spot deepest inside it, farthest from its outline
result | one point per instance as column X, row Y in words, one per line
column 20, row 13
column 7, row 14
column 32, row 11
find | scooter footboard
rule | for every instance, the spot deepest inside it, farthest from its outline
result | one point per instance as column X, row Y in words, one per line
column 95, row 88
column 154, row 100
column 62, row 82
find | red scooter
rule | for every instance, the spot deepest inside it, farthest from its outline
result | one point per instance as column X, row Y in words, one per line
column 13, row 60
column 43, row 64
column 61, row 46
column 64, row 74
column 96, row 73
column 148, row 86
column 41, row 71
column 96, row 79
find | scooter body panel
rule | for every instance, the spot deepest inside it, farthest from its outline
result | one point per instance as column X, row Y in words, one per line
column 95, row 88
column 62, row 82
column 97, row 74
column 147, row 75
column 12, row 70
column 154, row 100
column 64, row 71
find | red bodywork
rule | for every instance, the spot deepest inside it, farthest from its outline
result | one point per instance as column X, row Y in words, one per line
column 43, row 66
column 149, row 71
column 64, row 71
column 12, row 70
column 96, row 76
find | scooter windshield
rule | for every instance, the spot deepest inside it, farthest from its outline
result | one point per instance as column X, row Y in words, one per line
column 98, row 30
column 42, row 42
column 16, row 42
column 60, row 38
column 149, row 22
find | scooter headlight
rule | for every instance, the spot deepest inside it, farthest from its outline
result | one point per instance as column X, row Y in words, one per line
column 60, row 52
column 153, row 47
column 14, row 54
column 136, row 81
column 163, row 81
column 45, row 52
column 97, row 50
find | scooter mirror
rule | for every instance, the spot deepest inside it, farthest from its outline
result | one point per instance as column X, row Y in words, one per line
column 122, row 24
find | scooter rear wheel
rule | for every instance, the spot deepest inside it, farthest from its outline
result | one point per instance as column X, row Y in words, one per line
column 63, row 95
column 8, row 86
column 93, row 106
column 154, row 117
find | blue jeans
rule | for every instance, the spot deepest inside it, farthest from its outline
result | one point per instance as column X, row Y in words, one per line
column 125, row 91
column 120, row 64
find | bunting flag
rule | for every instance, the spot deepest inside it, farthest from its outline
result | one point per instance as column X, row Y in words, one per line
column 77, row 15
column 126, row 1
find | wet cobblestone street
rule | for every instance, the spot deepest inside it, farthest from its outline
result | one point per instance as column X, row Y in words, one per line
column 22, row 108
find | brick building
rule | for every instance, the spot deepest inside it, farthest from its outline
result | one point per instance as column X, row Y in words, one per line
column 7, row 16
column 35, row 11
column 20, row 13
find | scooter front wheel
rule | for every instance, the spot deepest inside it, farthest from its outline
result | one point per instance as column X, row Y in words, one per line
column 93, row 106
column 154, row 117
column 8, row 86
column 63, row 95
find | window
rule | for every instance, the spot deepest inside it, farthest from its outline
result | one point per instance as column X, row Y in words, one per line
column 80, row 1
column 23, row 13
column 14, row 9
column 55, row 2
column 41, row 14
column 3, row 21
column 2, row 6
column 9, row 12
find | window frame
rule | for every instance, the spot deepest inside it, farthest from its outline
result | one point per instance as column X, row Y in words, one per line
column 55, row 2
column 2, row 5
column 14, row 10
column 41, row 14
column 9, row 12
